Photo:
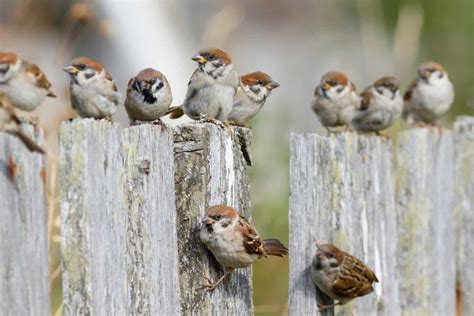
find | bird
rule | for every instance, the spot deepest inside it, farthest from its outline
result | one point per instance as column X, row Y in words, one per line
column 429, row 96
column 11, row 124
column 211, row 89
column 381, row 104
column 148, row 96
column 339, row 275
column 22, row 82
column 94, row 93
column 233, row 241
column 254, row 89
column 335, row 100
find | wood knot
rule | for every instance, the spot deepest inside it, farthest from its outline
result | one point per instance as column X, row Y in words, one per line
column 144, row 166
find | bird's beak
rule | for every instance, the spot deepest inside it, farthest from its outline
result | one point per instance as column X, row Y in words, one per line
column 319, row 253
column 199, row 59
column 273, row 85
column 71, row 70
column 326, row 86
column 206, row 220
column 51, row 94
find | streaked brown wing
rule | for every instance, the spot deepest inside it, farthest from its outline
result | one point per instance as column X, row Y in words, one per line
column 366, row 96
column 408, row 94
column 109, row 78
column 41, row 80
column 252, row 241
column 354, row 279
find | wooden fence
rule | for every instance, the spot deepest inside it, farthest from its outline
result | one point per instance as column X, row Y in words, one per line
column 132, row 199
column 393, row 208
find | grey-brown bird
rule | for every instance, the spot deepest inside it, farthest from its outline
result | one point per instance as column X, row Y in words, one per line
column 339, row 275
column 211, row 89
column 148, row 96
column 252, row 93
column 234, row 242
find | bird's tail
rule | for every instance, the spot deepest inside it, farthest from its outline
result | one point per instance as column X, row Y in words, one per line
column 274, row 247
column 175, row 112
column 29, row 143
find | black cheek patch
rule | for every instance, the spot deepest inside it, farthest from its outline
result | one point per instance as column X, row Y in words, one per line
column 89, row 75
column 318, row 265
column 225, row 224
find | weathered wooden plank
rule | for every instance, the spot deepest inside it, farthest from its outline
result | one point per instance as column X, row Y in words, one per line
column 209, row 170
column 24, row 273
column 152, row 257
column 342, row 192
column 426, row 253
column 118, row 217
column 464, row 210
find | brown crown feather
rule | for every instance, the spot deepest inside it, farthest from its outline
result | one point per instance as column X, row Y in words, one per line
column 149, row 74
column 339, row 77
column 251, row 79
column 217, row 53
column 8, row 58
column 223, row 210
column 431, row 66
column 88, row 62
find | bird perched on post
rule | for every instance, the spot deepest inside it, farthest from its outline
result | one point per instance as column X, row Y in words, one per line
column 335, row 100
column 24, row 84
column 339, row 275
column 10, row 124
column 211, row 89
column 254, row 89
column 93, row 91
column 234, row 242
column 429, row 96
column 148, row 96
column 380, row 106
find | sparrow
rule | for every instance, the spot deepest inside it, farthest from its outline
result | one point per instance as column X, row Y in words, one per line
column 11, row 124
column 429, row 96
column 335, row 100
column 339, row 275
column 93, row 91
column 148, row 96
column 381, row 104
column 253, row 90
column 234, row 242
column 211, row 89
column 24, row 84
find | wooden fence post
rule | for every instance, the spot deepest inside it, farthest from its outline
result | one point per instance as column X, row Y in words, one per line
column 118, row 238
column 24, row 272
column 426, row 253
column 342, row 192
column 209, row 169
column 464, row 211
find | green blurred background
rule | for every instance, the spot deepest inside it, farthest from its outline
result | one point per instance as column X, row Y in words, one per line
column 294, row 41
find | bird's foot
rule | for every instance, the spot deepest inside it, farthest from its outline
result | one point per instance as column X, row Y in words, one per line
column 209, row 285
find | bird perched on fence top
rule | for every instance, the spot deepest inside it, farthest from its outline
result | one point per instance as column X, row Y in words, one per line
column 211, row 89
column 93, row 91
column 339, row 275
column 335, row 100
column 380, row 106
column 234, row 242
column 24, row 84
column 148, row 96
column 429, row 96
column 11, row 124
column 254, row 89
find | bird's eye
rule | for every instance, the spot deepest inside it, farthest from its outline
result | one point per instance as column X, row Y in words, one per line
column 217, row 217
column 330, row 255
column 333, row 82
column 210, row 57
column 260, row 82
column 81, row 66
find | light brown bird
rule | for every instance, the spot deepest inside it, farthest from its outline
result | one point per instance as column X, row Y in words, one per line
column 148, row 96
column 211, row 89
column 23, row 83
column 234, row 242
column 429, row 96
column 93, row 91
column 254, row 89
column 335, row 100
column 339, row 275
column 381, row 105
